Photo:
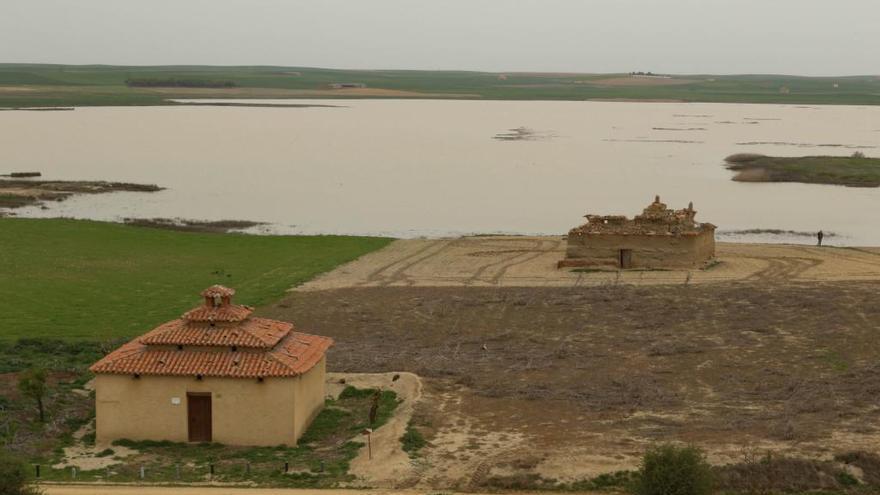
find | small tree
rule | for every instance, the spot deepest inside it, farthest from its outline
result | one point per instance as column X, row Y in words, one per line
column 32, row 384
column 13, row 477
column 671, row 470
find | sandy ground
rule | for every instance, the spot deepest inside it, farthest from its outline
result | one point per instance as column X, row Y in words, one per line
column 531, row 262
column 86, row 458
column 383, row 462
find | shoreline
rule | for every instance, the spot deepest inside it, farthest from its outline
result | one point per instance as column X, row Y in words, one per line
column 22, row 192
column 169, row 102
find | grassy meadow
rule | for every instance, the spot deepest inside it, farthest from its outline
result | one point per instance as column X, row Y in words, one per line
column 41, row 85
column 82, row 280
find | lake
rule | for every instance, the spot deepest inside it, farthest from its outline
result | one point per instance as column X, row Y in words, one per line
column 409, row 168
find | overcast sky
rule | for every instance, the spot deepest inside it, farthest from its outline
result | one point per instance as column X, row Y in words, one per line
column 811, row 37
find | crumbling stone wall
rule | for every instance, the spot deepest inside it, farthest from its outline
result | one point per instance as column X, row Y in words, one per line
column 658, row 238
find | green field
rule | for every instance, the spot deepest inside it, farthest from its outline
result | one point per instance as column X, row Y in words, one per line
column 37, row 85
column 853, row 171
column 83, row 280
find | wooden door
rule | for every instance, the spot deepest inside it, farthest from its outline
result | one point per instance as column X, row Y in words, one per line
column 198, row 408
column 626, row 258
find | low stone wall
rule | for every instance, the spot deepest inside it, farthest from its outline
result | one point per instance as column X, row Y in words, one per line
column 647, row 251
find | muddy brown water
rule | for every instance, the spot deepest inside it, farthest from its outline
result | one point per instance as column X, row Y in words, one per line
column 411, row 168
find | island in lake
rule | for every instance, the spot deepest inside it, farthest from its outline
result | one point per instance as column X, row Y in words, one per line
column 853, row 171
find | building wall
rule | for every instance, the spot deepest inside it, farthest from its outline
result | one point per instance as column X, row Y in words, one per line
column 244, row 411
column 310, row 393
column 661, row 251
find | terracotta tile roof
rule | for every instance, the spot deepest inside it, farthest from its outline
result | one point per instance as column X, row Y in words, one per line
column 217, row 290
column 229, row 312
column 253, row 332
column 269, row 348
column 295, row 355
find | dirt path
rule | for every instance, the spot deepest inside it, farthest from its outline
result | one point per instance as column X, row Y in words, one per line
column 383, row 463
column 531, row 262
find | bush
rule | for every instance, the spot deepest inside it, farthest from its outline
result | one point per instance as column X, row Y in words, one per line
column 13, row 477
column 412, row 441
column 671, row 470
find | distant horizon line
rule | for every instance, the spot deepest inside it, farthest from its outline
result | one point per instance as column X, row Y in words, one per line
column 560, row 72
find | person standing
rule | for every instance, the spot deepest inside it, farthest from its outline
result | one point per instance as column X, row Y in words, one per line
column 820, row 235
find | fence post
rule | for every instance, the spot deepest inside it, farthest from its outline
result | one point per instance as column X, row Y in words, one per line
column 73, row 472
column 211, row 468
column 177, row 471
column 37, row 470
column 286, row 467
column 247, row 468
column 142, row 472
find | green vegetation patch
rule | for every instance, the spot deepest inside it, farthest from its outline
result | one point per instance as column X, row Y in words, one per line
column 69, row 85
column 83, row 280
column 178, row 83
column 321, row 459
column 854, row 171
column 412, row 440
column 669, row 469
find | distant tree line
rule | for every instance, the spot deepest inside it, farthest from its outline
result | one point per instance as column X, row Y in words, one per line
column 178, row 83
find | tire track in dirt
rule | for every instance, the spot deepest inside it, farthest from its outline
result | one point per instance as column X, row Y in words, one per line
column 542, row 250
column 481, row 474
column 534, row 250
column 840, row 254
column 783, row 268
column 375, row 278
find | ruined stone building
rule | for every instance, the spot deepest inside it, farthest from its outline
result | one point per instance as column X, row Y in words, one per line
column 658, row 238
column 216, row 374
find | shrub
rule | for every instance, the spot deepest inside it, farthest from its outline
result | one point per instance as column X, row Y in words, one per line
column 672, row 470
column 858, row 154
column 32, row 384
column 846, row 479
column 412, row 441
column 13, row 477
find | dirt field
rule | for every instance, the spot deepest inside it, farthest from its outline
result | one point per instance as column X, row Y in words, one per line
column 530, row 372
column 531, row 262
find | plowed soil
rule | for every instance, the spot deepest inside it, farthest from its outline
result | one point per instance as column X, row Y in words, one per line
column 570, row 382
